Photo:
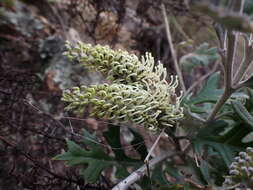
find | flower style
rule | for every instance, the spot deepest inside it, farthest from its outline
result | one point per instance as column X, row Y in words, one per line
column 241, row 172
column 139, row 91
column 119, row 66
column 120, row 101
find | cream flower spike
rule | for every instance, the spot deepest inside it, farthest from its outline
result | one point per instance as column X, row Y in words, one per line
column 139, row 91
column 118, row 66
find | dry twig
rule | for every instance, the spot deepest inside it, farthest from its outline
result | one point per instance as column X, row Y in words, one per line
column 138, row 174
column 173, row 52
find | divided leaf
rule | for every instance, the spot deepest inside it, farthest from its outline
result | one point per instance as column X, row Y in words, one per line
column 94, row 160
column 208, row 94
column 201, row 57
column 243, row 113
column 214, row 142
column 248, row 7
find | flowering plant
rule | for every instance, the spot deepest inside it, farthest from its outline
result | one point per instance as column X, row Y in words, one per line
column 138, row 91
column 215, row 121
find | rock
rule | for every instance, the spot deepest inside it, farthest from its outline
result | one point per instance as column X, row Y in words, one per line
column 22, row 18
column 61, row 73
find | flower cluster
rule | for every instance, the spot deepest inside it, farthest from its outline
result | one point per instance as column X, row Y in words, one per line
column 241, row 172
column 119, row 66
column 139, row 91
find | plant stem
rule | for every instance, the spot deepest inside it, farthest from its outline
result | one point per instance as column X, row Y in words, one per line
column 232, row 39
column 153, row 147
column 229, row 61
column 219, row 104
column 173, row 52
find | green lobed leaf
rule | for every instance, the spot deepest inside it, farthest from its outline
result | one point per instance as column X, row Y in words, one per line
column 174, row 172
column 204, row 168
column 219, row 142
column 227, row 152
column 212, row 139
column 159, row 178
column 249, row 101
column 201, row 57
column 93, row 160
column 248, row 7
column 243, row 113
column 190, row 168
column 235, row 136
column 212, row 130
column 210, row 92
column 196, row 109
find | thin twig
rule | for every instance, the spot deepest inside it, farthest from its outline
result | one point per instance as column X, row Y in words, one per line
column 173, row 52
column 139, row 173
column 71, row 131
column 146, row 160
column 153, row 147
column 179, row 28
